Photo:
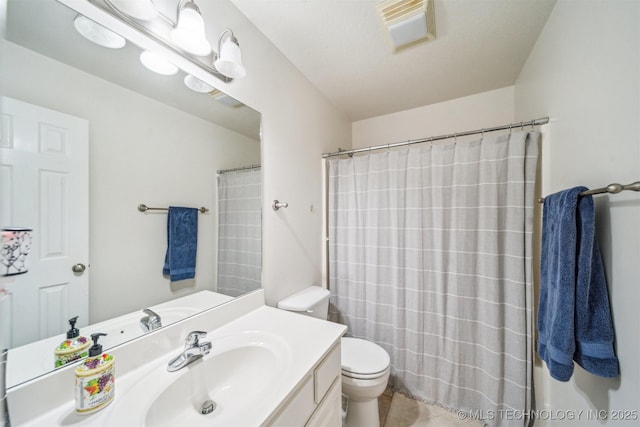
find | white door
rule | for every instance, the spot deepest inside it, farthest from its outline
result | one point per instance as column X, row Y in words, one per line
column 44, row 173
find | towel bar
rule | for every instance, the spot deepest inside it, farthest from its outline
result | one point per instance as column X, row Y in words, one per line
column 611, row 189
column 143, row 208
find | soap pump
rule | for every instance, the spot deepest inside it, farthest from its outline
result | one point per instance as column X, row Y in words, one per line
column 95, row 379
column 73, row 348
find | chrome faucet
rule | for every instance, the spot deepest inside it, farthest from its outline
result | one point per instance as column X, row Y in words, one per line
column 193, row 350
column 151, row 321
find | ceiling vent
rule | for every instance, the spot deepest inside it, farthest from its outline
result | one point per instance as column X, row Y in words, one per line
column 225, row 99
column 407, row 22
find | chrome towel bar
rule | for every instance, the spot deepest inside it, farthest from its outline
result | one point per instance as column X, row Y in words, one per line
column 143, row 208
column 611, row 189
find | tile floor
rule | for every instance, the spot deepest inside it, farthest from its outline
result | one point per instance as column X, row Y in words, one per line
column 397, row 410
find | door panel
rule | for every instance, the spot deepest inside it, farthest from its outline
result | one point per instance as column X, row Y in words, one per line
column 45, row 186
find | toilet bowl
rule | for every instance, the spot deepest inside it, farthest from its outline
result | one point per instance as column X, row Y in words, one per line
column 365, row 374
column 365, row 365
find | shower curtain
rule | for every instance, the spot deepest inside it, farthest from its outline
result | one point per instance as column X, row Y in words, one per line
column 430, row 257
column 239, row 232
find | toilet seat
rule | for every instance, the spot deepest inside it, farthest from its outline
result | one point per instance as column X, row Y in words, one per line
column 362, row 359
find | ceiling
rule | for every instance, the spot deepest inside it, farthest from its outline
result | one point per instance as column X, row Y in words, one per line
column 340, row 47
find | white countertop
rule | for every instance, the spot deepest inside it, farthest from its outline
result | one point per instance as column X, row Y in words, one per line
column 307, row 339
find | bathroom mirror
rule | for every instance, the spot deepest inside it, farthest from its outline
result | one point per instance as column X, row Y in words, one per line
column 151, row 140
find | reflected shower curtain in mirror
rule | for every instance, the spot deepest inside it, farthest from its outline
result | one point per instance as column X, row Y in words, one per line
column 430, row 257
column 239, row 232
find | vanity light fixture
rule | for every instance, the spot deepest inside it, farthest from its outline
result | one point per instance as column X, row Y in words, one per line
column 143, row 10
column 229, row 60
column 97, row 33
column 188, row 32
column 197, row 85
column 157, row 63
column 184, row 34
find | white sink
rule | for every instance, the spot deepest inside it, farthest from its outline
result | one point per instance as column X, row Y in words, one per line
column 259, row 357
column 236, row 375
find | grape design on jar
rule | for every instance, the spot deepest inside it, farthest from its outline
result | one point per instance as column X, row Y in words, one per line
column 92, row 364
column 103, row 381
column 96, row 385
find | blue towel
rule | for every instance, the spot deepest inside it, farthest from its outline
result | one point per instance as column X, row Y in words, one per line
column 574, row 318
column 182, row 241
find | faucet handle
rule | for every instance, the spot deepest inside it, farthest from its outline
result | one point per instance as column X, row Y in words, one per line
column 193, row 338
column 151, row 313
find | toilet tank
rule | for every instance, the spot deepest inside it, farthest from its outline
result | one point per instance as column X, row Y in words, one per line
column 312, row 301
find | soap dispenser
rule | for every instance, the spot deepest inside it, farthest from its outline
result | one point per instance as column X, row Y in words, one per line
column 95, row 379
column 73, row 348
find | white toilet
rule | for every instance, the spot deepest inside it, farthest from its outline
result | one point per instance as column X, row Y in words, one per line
column 365, row 365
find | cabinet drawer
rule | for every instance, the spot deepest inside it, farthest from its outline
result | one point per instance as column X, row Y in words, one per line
column 299, row 408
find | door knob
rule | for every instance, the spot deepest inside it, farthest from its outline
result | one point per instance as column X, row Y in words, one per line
column 79, row 268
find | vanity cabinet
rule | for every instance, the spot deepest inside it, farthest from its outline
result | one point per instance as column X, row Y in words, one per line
column 317, row 400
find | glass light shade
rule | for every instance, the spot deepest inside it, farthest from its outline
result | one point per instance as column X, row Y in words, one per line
column 143, row 10
column 196, row 84
column 189, row 33
column 157, row 63
column 229, row 61
column 97, row 33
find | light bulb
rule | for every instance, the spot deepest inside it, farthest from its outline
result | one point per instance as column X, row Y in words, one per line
column 196, row 84
column 189, row 33
column 97, row 33
column 143, row 10
column 157, row 63
column 229, row 62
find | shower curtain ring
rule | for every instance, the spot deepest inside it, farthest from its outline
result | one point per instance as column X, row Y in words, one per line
column 522, row 126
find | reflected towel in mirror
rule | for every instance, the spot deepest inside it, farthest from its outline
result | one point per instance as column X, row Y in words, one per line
column 182, row 241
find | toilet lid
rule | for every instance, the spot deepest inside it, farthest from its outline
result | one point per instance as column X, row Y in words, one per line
column 362, row 357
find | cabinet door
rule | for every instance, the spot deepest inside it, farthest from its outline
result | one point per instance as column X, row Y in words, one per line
column 329, row 412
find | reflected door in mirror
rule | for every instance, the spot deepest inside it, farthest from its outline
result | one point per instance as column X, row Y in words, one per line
column 45, row 187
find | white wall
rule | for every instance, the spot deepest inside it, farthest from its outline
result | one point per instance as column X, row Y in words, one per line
column 478, row 111
column 584, row 72
column 299, row 124
column 141, row 151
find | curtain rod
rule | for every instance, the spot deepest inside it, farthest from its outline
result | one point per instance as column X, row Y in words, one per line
column 241, row 168
column 536, row 122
